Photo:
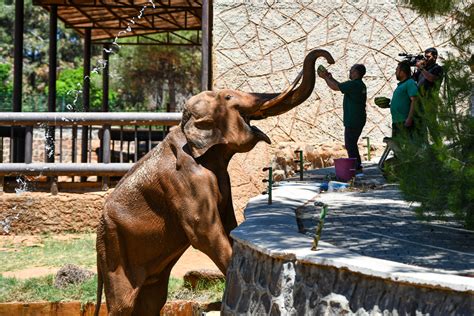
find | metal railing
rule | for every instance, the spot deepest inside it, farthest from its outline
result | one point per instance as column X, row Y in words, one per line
column 96, row 128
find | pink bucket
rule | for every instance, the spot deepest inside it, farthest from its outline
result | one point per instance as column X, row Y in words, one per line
column 345, row 168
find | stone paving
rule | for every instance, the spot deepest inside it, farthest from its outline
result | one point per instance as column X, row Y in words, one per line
column 378, row 223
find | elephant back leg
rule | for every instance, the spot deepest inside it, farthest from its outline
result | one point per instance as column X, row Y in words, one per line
column 152, row 297
column 120, row 295
column 119, row 292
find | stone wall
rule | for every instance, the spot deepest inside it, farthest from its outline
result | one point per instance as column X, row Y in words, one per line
column 259, row 46
column 258, row 284
column 35, row 212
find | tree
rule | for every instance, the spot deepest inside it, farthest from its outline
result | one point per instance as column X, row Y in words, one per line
column 436, row 168
column 154, row 76
column 36, row 36
column 69, row 89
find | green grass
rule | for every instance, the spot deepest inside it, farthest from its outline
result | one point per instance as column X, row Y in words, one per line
column 49, row 252
column 43, row 289
column 204, row 292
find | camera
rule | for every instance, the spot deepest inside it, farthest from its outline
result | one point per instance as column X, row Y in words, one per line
column 411, row 59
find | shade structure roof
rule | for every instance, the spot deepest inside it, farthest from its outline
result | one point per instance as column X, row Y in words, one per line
column 109, row 19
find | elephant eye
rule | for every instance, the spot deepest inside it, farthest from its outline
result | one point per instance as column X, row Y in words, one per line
column 228, row 97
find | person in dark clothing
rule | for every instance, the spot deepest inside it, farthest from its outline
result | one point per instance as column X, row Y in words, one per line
column 428, row 78
column 354, row 114
column 429, row 74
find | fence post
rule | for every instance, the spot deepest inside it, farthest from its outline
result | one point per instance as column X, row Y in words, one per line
column 368, row 147
column 301, row 163
column 106, row 154
column 270, row 183
column 29, row 144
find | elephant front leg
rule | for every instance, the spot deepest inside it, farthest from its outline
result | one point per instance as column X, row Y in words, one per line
column 228, row 220
column 207, row 234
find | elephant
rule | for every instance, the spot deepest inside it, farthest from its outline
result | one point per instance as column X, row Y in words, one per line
column 179, row 194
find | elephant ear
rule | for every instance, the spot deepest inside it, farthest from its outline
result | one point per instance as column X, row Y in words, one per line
column 199, row 126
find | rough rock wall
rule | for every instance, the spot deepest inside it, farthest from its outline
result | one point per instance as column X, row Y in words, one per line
column 258, row 284
column 36, row 212
column 259, row 46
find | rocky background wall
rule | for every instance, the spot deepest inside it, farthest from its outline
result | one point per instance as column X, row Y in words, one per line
column 258, row 284
column 260, row 45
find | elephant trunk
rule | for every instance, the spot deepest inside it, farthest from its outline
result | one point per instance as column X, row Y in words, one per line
column 279, row 103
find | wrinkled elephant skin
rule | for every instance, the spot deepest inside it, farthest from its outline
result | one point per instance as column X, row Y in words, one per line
column 179, row 194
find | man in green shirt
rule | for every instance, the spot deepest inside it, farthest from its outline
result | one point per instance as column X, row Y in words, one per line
column 354, row 115
column 402, row 106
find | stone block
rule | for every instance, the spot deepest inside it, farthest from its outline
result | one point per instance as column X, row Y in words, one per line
column 244, row 303
column 195, row 277
column 233, row 290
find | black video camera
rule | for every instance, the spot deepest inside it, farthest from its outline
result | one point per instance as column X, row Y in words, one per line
column 412, row 59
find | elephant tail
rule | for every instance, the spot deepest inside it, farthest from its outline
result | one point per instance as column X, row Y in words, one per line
column 100, row 287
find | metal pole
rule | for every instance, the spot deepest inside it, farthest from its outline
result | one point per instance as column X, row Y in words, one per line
column 270, row 183
column 18, row 55
column 15, row 141
column 106, row 154
column 149, row 138
column 105, row 144
column 29, row 144
column 301, row 165
column 1, row 149
column 136, row 144
column 74, row 144
column 105, row 80
column 301, row 162
column 53, row 31
column 121, row 144
column 65, row 169
column 206, row 46
column 86, row 93
column 60, row 144
column 368, row 147
column 89, row 118
column 87, row 70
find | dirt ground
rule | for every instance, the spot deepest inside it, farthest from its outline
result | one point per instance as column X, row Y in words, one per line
column 192, row 259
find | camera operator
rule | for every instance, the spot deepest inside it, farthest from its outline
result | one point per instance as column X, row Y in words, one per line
column 428, row 74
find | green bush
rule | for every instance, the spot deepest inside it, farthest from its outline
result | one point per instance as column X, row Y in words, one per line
column 69, row 88
column 435, row 167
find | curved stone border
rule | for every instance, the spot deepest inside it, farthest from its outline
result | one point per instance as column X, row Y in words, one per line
column 273, row 271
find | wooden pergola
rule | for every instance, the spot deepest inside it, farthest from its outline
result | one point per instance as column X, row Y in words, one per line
column 105, row 22
column 107, row 19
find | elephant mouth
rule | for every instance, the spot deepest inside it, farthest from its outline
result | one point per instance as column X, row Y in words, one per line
column 260, row 134
column 256, row 131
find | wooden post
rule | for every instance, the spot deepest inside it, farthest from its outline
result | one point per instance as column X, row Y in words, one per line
column 206, row 60
column 53, row 31
column 86, row 95
column 16, row 142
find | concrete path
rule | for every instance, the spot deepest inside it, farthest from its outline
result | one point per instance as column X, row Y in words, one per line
column 375, row 221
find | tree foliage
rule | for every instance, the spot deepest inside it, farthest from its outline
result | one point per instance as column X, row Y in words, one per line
column 461, row 30
column 69, row 88
column 5, row 79
column 436, row 166
column 149, row 77
column 36, row 44
column 155, row 76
